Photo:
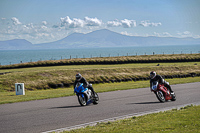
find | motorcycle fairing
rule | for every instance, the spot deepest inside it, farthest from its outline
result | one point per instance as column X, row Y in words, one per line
column 165, row 90
column 80, row 89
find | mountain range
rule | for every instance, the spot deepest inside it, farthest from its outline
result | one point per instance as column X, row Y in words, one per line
column 96, row 39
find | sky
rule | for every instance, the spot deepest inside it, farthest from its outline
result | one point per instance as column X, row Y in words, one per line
column 42, row 21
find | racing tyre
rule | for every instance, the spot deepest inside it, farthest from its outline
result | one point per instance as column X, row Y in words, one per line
column 173, row 97
column 160, row 96
column 96, row 98
column 82, row 100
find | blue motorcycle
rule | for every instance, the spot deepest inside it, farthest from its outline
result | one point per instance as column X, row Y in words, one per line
column 85, row 95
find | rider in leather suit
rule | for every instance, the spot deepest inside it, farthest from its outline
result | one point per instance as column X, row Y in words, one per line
column 81, row 79
column 160, row 79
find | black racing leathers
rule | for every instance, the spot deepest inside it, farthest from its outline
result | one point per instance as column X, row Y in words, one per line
column 160, row 81
column 85, row 84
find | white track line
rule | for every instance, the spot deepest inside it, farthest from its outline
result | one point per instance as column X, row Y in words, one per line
column 119, row 117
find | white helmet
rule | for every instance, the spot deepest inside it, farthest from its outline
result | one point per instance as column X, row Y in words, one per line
column 152, row 74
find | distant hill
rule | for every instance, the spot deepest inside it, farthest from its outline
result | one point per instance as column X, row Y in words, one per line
column 107, row 38
column 99, row 38
column 16, row 44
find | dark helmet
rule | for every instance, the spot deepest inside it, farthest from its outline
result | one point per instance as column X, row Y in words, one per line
column 78, row 76
column 152, row 74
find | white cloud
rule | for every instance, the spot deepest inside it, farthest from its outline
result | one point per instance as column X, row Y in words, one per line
column 126, row 33
column 128, row 23
column 163, row 34
column 66, row 21
column 124, row 23
column 46, row 32
column 92, row 21
column 15, row 21
column 71, row 23
column 77, row 23
column 115, row 23
column 44, row 22
column 146, row 23
column 185, row 34
column 157, row 34
column 167, row 34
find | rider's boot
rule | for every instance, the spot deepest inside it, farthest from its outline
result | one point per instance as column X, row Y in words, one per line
column 169, row 88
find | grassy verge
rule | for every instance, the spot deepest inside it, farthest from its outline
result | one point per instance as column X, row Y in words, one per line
column 174, row 121
column 38, row 78
column 110, row 60
column 11, row 97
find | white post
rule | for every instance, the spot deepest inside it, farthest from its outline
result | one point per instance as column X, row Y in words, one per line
column 19, row 88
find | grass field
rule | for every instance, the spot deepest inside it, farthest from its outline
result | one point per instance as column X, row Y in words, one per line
column 40, row 81
column 110, row 60
column 38, row 78
column 185, row 120
column 11, row 97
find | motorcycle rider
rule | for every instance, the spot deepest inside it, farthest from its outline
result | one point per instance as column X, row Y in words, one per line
column 160, row 79
column 81, row 79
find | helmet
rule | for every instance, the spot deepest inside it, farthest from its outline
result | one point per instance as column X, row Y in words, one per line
column 78, row 76
column 152, row 74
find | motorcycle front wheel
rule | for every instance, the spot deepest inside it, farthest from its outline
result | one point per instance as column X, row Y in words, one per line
column 173, row 97
column 96, row 98
column 160, row 96
column 82, row 100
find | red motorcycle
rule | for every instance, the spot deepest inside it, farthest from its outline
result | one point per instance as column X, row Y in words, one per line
column 162, row 93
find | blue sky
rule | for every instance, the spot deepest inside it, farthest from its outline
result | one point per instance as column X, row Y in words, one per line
column 40, row 21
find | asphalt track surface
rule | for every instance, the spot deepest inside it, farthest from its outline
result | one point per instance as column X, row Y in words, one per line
column 58, row 113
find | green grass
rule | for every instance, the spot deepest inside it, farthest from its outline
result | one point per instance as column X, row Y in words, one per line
column 38, row 81
column 38, row 78
column 11, row 97
column 186, row 119
column 108, row 60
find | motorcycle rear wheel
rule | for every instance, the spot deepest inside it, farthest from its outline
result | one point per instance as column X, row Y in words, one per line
column 160, row 96
column 82, row 100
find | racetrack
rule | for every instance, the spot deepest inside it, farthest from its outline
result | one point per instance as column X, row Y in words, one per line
column 51, row 114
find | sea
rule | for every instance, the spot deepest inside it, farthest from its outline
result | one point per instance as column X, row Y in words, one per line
column 8, row 57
